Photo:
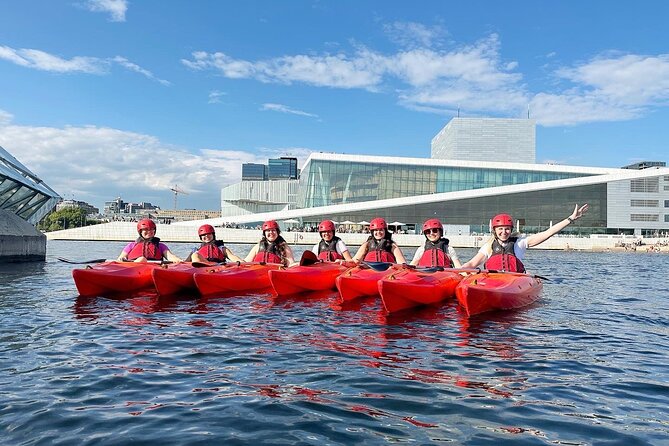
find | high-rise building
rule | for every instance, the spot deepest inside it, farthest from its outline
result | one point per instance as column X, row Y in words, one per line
column 254, row 172
column 284, row 168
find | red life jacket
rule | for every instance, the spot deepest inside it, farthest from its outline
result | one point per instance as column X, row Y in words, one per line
column 504, row 258
column 436, row 254
column 269, row 252
column 148, row 248
column 379, row 251
column 327, row 252
column 213, row 251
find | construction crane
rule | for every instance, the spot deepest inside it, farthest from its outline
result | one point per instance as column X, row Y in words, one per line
column 177, row 191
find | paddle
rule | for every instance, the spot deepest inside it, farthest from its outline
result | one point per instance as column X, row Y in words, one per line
column 74, row 262
column 498, row 271
column 308, row 258
column 206, row 264
column 378, row 266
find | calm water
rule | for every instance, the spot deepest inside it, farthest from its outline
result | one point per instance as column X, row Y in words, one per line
column 585, row 365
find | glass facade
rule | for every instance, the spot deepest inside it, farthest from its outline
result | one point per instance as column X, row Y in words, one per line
column 283, row 168
column 533, row 210
column 254, row 171
column 329, row 182
column 22, row 192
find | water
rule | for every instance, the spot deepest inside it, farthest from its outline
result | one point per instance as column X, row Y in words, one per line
column 584, row 365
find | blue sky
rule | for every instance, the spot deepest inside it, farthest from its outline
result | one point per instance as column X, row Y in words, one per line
column 106, row 98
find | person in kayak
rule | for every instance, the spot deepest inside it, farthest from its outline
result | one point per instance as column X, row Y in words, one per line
column 505, row 250
column 379, row 246
column 147, row 246
column 211, row 249
column 272, row 248
column 436, row 251
column 331, row 248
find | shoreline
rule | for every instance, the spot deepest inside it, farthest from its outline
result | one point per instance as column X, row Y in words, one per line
column 126, row 231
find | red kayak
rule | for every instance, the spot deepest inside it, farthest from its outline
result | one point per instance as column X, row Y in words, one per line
column 299, row 279
column 362, row 281
column 229, row 278
column 113, row 278
column 177, row 278
column 489, row 291
column 411, row 288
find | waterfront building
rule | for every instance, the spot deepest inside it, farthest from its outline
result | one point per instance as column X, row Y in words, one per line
column 88, row 208
column 252, row 197
column 24, row 200
column 484, row 139
column 461, row 186
column 264, row 188
column 22, row 192
column 410, row 190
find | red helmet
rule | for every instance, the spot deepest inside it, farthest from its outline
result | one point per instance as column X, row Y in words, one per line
column 326, row 225
column 433, row 223
column 378, row 223
column 270, row 224
column 502, row 220
column 206, row 229
column 145, row 223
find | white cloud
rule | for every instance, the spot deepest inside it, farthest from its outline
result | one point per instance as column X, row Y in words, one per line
column 115, row 8
column 5, row 117
column 606, row 88
column 629, row 79
column 473, row 76
column 137, row 69
column 215, row 96
column 40, row 60
column 97, row 164
column 415, row 35
column 337, row 71
column 285, row 109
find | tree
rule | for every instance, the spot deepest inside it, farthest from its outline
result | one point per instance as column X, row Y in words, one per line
column 71, row 217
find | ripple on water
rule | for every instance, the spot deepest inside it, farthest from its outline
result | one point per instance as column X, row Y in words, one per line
column 585, row 365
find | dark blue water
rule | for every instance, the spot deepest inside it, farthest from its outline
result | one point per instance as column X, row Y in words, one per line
column 587, row 364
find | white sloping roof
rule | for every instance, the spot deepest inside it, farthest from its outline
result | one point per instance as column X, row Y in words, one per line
column 608, row 176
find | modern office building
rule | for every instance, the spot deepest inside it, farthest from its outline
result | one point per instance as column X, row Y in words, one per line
column 254, row 172
column 264, row 188
column 283, row 168
column 485, row 139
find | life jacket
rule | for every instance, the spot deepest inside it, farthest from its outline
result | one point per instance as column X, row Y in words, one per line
column 504, row 258
column 379, row 250
column 436, row 254
column 213, row 251
column 148, row 248
column 328, row 251
column 269, row 252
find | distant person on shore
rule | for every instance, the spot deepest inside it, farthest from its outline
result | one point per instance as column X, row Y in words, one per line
column 211, row 249
column 331, row 248
column 436, row 251
column 379, row 247
column 147, row 246
column 272, row 248
column 505, row 250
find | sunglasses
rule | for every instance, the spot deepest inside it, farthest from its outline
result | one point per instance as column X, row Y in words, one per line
column 431, row 231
